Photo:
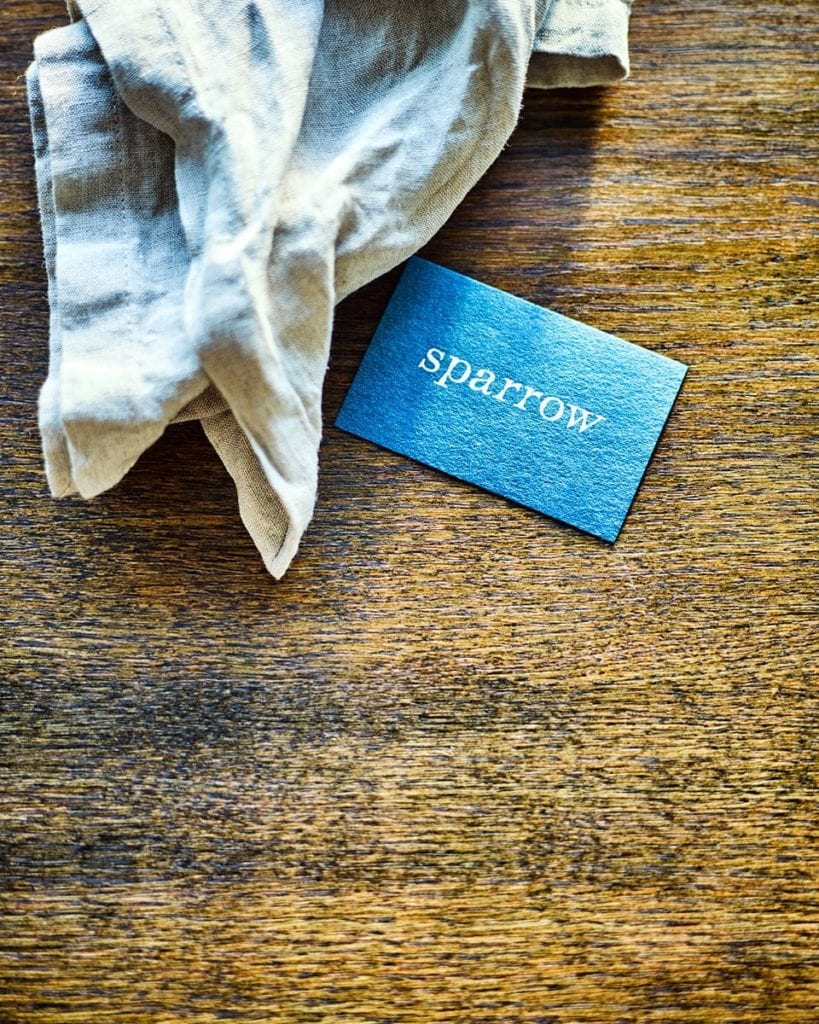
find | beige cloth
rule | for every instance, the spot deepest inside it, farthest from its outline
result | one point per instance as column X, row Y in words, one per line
column 214, row 178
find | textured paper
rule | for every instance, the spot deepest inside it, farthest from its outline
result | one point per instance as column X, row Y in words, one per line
column 514, row 398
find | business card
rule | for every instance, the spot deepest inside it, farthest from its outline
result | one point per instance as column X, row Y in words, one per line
column 509, row 396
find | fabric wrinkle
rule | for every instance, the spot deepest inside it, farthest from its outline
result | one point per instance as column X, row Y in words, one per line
column 214, row 179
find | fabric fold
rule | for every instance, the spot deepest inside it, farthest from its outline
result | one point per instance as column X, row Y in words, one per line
column 581, row 43
column 52, row 431
column 118, row 269
column 213, row 179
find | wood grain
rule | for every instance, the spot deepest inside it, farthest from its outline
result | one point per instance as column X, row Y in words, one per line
column 463, row 765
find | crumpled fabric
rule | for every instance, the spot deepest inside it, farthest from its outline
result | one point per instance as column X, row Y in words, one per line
column 215, row 175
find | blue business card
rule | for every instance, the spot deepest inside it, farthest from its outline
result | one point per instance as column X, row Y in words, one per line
column 504, row 394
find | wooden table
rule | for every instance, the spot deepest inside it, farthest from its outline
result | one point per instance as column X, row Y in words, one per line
column 464, row 765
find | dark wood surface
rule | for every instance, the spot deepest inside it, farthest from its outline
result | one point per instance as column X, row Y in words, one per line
column 464, row 765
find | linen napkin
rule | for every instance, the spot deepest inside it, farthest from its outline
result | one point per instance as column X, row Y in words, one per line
column 213, row 177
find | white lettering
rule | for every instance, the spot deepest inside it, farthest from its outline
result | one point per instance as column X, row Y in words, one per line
column 434, row 355
column 549, row 407
column 530, row 393
column 581, row 416
column 447, row 375
column 544, row 406
column 508, row 385
column 486, row 378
